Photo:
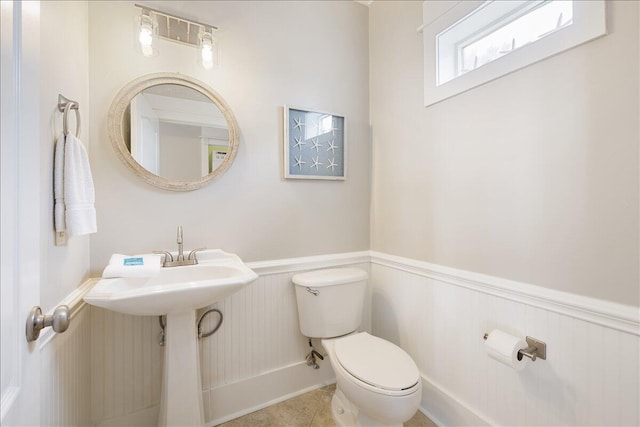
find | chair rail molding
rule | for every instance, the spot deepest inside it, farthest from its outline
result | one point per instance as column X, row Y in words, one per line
column 75, row 302
column 624, row 318
column 261, row 342
column 290, row 265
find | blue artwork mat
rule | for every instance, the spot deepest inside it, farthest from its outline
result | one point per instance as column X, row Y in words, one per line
column 314, row 146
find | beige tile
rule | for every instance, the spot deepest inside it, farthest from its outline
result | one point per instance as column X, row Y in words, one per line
column 311, row 409
column 258, row 418
column 297, row 411
column 323, row 417
column 419, row 420
column 329, row 388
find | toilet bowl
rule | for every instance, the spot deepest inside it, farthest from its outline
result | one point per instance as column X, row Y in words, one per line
column 378, row 384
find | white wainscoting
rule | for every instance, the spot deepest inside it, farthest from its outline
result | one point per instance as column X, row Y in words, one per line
column 126, row 362
column 255, row 359
column 66, row 368
column 439, row 316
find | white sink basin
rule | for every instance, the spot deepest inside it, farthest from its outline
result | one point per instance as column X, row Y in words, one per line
column 217, row 275
column 177, row 292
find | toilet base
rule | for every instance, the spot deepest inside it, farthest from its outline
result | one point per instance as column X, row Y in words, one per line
column 342, row 410
column 346, row 414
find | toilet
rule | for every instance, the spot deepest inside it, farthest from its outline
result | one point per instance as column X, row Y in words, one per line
column 377, row 383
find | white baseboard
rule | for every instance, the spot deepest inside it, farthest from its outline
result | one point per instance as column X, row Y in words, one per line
column 231, row 401
column 145, row 417
column 243, row 397
column 438, row 405
column 445, row 410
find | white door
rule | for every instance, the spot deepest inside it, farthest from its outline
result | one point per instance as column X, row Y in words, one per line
column 20, row 210
column 145, row 135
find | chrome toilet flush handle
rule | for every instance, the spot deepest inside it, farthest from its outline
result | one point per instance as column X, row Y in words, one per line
column 315, row 292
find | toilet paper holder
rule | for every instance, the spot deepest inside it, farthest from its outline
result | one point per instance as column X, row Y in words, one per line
column 536, row 349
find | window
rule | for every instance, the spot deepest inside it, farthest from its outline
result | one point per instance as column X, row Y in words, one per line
column 469, row 43
column 525, row 26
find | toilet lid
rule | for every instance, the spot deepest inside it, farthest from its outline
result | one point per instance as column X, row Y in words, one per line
column 377, row 362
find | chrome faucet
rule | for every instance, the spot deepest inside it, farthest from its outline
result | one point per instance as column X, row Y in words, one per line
column 179, row 242
column 191, row 259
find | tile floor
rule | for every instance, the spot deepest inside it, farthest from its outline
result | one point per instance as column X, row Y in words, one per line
column 312, row 409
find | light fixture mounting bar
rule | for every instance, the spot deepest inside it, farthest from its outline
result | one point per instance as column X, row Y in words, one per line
column 150, row 9
column 176, row 28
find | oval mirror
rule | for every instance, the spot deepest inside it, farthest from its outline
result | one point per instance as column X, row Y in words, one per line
column 173, row 131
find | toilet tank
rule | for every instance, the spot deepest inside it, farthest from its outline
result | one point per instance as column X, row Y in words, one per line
column 330, row 301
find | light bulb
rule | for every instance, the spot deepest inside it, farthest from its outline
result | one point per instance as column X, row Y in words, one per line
column 207, row 55
column 146, row 38
column 146, row 35
column 208, row 49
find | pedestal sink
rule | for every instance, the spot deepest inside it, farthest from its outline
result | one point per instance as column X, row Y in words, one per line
column 177, row 292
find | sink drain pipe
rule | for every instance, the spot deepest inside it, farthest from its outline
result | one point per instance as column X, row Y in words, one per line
column 162, row 321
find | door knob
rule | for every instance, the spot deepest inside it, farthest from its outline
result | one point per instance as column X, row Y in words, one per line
column 36, row 321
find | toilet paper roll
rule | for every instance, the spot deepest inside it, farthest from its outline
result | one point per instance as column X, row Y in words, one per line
column 504, row 348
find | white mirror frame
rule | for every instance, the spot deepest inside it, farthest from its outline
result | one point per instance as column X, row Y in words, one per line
column 116, row 136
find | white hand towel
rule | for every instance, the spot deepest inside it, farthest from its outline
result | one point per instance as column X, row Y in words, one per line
column 147, row 265
column 58, row 184
column 79, row 194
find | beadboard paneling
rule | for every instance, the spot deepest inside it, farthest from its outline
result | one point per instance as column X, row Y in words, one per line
column 259, row 335
column 437, row 314
column 126, row 363
column 66, row 374
column 590, row 376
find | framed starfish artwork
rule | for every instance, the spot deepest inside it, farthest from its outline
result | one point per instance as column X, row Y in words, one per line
column 314, row 144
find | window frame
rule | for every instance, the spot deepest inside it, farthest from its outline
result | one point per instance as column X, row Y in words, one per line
column 589, row 22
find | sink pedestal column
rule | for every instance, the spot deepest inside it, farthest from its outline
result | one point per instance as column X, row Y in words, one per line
column 181, row 401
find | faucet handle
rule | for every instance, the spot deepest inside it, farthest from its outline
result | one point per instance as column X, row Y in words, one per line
column 179, row 236
column 167, row 256
column 192, row 254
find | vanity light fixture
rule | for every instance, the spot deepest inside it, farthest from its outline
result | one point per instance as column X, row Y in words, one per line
column 208, row 48
column 153, row 23
column 146, row 33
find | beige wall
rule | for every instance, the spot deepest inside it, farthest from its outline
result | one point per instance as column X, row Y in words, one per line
column 64, row 65
column 532, row 177
column 311, row 54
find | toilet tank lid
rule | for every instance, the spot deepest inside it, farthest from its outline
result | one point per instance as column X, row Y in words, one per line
column 329, row 277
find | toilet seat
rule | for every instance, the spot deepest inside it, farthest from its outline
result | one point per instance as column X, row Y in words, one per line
column 376, row 362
